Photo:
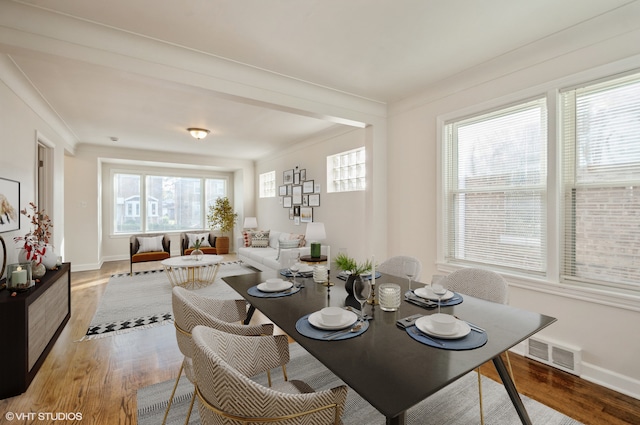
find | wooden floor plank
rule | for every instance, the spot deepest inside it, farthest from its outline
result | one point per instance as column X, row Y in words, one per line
column 99, row 378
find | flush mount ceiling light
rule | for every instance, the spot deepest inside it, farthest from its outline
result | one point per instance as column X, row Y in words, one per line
column 198, row 133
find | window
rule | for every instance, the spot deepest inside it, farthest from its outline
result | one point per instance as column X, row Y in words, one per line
column 346, row 171
column 152, row 203
column 601, row 181
column 495, row 188
column 268, row 185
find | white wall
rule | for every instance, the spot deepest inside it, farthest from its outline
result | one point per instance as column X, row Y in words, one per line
column 585, row 320
column 21, row 126
column 342, row 213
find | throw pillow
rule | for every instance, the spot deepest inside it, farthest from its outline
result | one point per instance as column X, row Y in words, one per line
column 246, row 237
column 202, row 236
column 150, row 243
column 260, row 239
column 286, row 244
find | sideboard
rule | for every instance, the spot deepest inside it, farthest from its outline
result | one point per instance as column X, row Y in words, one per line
column 30, row 324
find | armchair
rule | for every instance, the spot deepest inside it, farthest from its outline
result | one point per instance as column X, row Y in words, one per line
column 148, row 247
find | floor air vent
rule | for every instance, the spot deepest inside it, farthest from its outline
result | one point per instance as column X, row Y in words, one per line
column 552, row 354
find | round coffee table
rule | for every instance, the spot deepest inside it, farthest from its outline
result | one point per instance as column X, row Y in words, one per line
column 190, row 273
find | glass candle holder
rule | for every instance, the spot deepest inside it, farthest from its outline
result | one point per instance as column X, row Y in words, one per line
column 19, row 277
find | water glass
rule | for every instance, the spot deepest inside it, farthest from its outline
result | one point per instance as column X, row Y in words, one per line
column 389, row 296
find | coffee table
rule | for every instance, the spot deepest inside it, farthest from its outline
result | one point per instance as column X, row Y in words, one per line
column 187, row 272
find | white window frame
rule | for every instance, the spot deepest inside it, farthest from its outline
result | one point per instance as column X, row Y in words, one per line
column 549, row 283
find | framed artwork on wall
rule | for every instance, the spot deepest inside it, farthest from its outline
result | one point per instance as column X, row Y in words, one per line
column 308, row 186
column 303, row 174
column 306, row 215
column 9, row 205
column 291, row 214
column 286, row 202
column 314, row 200
column 287, row 177
column 283, row 190
column 297, row 195
column 296, row 178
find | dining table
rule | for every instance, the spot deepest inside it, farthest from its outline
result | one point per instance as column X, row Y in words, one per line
column 385, row 365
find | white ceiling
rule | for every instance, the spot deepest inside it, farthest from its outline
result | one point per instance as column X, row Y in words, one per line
column 368, row 51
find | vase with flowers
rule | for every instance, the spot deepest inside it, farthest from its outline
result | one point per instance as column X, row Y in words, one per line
column 35, row 244
column 197, row 252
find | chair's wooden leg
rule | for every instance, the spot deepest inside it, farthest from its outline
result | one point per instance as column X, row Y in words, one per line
column 284, row 372
column 269, row 377
column 166, row 413
column 480, row 396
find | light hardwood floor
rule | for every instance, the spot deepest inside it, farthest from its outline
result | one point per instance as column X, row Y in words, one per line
column 99, row 378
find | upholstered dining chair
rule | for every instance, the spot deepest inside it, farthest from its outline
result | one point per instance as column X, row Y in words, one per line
column 395, row 266
column 486, row 285
column 223, row 364
column 191, row 310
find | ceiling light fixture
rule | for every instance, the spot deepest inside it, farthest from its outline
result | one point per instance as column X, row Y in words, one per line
column 198, row 133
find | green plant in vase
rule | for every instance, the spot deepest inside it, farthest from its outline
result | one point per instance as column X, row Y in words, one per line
column 222, row 217
column 197, row 252
column 353, row 268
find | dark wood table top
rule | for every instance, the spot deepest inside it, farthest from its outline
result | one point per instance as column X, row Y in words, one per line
column 384, row 365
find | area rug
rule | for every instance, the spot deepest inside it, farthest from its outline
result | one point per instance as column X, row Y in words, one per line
column 453, row 405
column 144, row 300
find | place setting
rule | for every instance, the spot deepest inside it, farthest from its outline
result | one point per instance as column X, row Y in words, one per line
column 338, row 323
column 273, row 288
column 430, row 296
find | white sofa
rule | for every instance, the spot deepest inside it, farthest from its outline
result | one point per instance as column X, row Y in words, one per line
column 267, row 258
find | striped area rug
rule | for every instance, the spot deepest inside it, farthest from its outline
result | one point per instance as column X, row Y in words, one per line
column 144, row 300
column 456, row 404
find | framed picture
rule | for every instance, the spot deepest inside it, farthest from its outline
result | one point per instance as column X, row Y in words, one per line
column 296, row 178
column 287, row 177
column 314, row 200
column 296, row 220
column 306, row 215
column 303, row 174
column 316, row 188
column 283, row 190
column 296, row 211
column 305, row 200
column 297, row 195
column 286, row 202
column 291, row 214
column 9, row 205
column 307, row 186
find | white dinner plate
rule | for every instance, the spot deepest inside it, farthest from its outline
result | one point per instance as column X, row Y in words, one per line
column 462, row 329
column 348, row 319
column 305, row 269
column 427, row 293
column 282, row 286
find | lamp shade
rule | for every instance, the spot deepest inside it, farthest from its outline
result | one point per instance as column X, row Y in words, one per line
column 250, row 223
column 315, row 232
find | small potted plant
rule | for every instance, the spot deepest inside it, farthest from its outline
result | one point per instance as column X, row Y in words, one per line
column 35, row 244
column 221, row 217
column 197, row 252
column 352, row 268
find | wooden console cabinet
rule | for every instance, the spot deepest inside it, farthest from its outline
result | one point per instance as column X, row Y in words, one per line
column 30, row 324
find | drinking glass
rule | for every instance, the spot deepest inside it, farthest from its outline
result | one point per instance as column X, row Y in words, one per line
column 294, row 267
column 410, row 269
column 440, row 290
column 361, row 292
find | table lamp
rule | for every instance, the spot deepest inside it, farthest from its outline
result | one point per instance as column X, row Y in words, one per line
column 250, row 223
column 315, row 232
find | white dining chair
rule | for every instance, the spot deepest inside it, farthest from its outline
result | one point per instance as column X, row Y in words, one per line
column 484, row 284
column 395, row 266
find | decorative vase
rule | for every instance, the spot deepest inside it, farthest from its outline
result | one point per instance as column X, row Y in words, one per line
column 349, row 284
column 197, row 254
column 49, row 259
column 37, row 270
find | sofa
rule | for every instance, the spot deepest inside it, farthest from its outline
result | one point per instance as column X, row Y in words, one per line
column 263, row 249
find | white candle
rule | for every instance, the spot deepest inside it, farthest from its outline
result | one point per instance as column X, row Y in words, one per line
column 373, row 269
column 19, row 276
column 328, row 257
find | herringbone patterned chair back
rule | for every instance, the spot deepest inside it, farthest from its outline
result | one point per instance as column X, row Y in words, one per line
column 223, row 364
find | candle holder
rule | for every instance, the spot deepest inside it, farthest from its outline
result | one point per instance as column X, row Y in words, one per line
column 19, row 277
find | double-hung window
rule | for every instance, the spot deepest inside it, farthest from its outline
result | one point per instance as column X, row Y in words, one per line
column 495, row 188
column 601, row 182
